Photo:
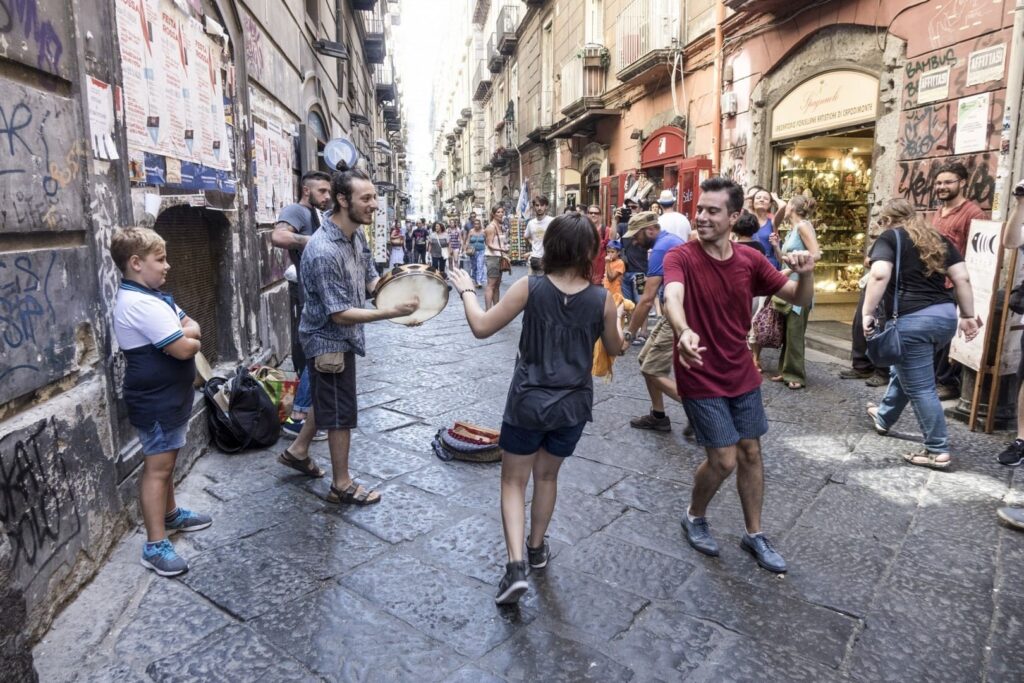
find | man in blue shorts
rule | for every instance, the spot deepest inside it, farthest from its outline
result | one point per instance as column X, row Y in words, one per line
column 708, row 288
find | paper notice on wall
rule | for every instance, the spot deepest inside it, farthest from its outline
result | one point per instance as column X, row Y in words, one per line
column 972, row 124
column 101, row 118
column 986, row 65
column 933, row 86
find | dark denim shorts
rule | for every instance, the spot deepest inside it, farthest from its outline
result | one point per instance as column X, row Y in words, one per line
column 719, row 422
column 334, row 395
column 559, row 442
column 159, row 439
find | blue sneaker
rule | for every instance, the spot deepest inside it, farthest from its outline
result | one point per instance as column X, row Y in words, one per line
column 698, row 533
column 290, row 429
column 184, row 519
column 763, row 552
column 161, row 558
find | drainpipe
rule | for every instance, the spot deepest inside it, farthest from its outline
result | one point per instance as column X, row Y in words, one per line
column 1011, row 117
column 716, row 107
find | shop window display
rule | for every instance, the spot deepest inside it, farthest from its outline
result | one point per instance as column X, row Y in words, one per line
column 839, row 180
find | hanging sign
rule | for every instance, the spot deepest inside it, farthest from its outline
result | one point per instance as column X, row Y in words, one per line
column 834, row 99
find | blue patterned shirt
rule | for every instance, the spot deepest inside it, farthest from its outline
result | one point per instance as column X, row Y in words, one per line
column 335, row 273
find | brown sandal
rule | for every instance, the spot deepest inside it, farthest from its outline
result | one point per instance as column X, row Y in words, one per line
column 304, row 465
column 355, row 494
column 927, row 459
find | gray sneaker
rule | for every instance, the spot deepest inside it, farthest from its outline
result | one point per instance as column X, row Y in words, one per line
column 184, row 519
column 1014, row 517
column 648, row 421
column 698, row 533
column 763, row 552
column 161, row 558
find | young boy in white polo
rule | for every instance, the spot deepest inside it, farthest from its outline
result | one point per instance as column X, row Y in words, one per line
column 159, row 343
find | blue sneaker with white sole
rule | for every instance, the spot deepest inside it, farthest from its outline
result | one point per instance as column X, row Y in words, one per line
column 161, row 558
column 184, row 519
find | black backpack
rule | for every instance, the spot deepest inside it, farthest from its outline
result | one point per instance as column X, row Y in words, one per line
column 252, row 420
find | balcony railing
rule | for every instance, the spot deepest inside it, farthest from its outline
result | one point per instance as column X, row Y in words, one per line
column 384, row 82
column 508, row 24
column 373, row 37
column 495, row 60
column 583, row 80
column 480, row 10
column 481, row 82
column 644, row 28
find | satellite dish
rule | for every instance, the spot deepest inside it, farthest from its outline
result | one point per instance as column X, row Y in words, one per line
column 341, row 149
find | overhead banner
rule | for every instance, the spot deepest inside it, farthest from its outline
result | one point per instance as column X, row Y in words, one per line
column 835, row 99
column 173, row 91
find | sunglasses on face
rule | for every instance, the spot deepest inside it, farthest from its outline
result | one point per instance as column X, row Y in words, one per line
column 594, row 213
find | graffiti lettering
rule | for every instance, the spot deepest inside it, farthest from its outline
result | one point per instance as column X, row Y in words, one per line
column 37, row 504
column 23, row 15
column 24, row 304
column 917, row 180
column 926, row 132
column 931, row 62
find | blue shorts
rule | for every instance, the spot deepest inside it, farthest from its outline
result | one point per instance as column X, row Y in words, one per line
column 159, row 439
column 560, row 442
column 720, row 422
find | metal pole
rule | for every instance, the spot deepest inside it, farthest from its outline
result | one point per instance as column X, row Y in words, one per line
column 1011, row 116
column 716, row 106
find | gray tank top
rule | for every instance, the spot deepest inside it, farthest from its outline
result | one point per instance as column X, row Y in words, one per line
column 551, row 384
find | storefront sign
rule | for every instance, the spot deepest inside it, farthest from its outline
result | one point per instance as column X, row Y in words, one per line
column 831, row 100
column 933, row 86
column 982, row 261
column 971, row 124
column 986, row 65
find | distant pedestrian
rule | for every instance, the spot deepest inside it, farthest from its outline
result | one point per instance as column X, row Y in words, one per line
column 495, row 248
column 454, row 243
column 159, row 342
column 927, row 321
column 419, row 242
column 437, row 245
column 614, row 269
column 709, row 284
column 397, row 246
column 475, row 240
column 534, row 233
column 551, row 396
column 604, row 235
column 769, row 210
column 670, row 220
column 801, row 237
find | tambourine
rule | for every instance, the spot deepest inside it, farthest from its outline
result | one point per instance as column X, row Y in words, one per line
column 407, row 282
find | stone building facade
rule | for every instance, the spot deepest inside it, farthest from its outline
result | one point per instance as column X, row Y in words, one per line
column 854, row 101
column 194, row 117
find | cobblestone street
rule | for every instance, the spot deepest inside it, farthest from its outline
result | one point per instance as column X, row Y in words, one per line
column 896, row 573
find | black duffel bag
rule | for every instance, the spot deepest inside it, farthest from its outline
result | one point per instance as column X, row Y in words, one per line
column 251, row 420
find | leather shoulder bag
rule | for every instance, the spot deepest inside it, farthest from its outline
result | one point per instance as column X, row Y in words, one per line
column 884, row 347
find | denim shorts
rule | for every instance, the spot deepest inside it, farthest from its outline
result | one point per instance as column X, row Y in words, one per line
column 559, row 442
column 719, row 422
column 159, row 439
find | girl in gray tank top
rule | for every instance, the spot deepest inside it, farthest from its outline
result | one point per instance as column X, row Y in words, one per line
column 552, row 394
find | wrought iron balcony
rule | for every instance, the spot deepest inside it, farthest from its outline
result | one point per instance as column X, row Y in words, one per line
column 508, row 24
column 480, row 10
column 494, row 58
column 384, row 82
column 481, row 82
column 645, row 31
column 373, row 38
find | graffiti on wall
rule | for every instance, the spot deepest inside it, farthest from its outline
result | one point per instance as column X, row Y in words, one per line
column 44, row 297
column 917, row 179
column 954, row 59
column 947, row 22
column 41, row 159
column 38, row 509
column 253, row 47
column 35, row 33
column 926, row 131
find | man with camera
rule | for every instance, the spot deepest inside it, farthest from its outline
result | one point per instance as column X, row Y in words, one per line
column 1013, row 454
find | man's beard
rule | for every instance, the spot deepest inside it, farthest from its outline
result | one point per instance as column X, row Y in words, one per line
column 354, row 217
column 948, row 195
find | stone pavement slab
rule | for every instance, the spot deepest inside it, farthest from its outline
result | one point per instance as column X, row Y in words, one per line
column 896, row 573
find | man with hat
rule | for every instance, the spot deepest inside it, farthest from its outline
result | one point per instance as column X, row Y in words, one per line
column 656, row 355
column 671, row 220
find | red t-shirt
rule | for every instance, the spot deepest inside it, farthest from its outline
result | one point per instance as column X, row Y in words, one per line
column 957, row 223
column 717, row 305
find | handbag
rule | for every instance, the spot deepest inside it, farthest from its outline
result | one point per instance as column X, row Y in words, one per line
column 504, row 265
column 884, row 347
column 769, row 327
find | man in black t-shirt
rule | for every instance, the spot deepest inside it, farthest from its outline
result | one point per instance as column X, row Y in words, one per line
column 419, row 242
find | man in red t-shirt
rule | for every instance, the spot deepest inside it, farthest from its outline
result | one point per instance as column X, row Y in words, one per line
column 708, row 288
column 953, row 220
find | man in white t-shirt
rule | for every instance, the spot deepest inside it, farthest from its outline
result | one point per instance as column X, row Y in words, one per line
column 671, row 221
column 534, row 233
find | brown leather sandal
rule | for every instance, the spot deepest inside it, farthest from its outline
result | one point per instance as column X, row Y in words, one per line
column 304, row 465
column 355, row 494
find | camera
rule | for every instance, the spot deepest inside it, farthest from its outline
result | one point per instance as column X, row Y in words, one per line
column 1018, row 190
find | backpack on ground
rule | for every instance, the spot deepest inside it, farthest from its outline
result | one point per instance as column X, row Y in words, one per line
column 246, row 419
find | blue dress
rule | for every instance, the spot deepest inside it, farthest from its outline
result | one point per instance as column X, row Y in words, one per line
column 762, row 236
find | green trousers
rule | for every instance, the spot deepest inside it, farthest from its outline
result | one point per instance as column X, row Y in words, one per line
column 793, row 347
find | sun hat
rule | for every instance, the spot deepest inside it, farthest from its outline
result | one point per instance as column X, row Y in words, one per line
column 644, row 219
column 667, row 198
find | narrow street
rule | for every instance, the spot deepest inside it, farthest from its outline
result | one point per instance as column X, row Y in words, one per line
column 896, row 572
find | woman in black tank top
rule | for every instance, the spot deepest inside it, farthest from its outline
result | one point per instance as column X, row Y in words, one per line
column 551, row 394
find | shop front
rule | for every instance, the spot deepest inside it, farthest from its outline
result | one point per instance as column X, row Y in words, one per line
column 822, row 140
